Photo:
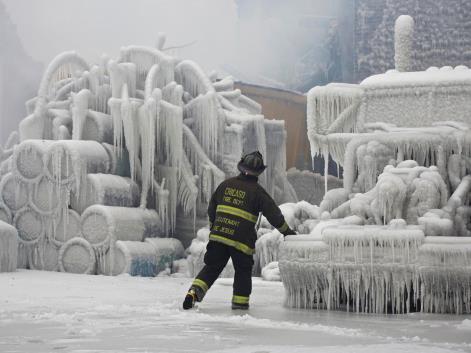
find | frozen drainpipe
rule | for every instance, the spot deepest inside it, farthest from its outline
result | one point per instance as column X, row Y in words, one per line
column 403, row 40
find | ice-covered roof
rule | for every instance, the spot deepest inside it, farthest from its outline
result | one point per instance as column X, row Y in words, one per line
column 433, row 75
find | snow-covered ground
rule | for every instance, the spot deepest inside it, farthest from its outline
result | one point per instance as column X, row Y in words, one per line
column 57, row 312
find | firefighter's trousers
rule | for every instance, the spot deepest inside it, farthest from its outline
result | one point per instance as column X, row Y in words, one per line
column 216, row 257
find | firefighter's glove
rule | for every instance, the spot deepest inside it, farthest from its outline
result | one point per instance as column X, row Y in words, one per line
column 289, row 231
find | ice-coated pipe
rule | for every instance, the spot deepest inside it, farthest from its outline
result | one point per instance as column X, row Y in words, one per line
column 14, row 192
column 28, row 159
column 102, row 225
column 8, row 247
column 77, row 256
column 403, row 42
column 106, row 189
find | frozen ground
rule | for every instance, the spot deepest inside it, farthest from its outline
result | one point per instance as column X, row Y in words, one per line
column 57, row 312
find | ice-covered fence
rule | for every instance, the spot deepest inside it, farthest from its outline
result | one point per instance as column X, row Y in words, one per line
column 8, row 247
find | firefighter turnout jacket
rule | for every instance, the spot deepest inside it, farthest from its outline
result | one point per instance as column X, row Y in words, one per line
column 234, row 210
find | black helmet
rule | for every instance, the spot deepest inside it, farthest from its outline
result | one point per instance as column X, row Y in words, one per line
column 251, row 164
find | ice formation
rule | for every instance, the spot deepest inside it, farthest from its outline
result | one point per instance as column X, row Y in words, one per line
column 395, row 237
column 115, row 156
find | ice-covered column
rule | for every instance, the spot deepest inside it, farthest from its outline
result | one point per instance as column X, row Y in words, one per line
column 403, row 41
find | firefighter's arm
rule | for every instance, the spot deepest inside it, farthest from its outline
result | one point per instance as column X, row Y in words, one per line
column 212, row 209
column 273, row 214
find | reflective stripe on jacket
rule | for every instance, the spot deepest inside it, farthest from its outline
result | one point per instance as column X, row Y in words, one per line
column 234, row 210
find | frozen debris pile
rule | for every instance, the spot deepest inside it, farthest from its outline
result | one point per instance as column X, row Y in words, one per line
column 395, row 237
column 116, row 153
column 367, row 251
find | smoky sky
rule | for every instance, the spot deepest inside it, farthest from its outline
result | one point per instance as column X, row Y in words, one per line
column 94, row 27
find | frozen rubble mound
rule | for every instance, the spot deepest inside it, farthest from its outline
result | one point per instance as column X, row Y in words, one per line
column 114, row 166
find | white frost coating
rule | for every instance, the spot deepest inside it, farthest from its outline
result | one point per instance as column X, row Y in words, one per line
column 196, row 253
column 130, row 124
column 69, row 161
column 333, row 199
column 266, row 249
column 444, row 267
column 173, row 93
column 14, row 192
column 46, row 197
column 119, row 161
column 104, row 225
column 62, row 66
column 146, row 57
column 148, row 118
column 5, row 214
column 200, row 161
column 65, row 228
column 133, row 257
column 30, row 225
column 8, row 247
column 106, row 189
column 44, row 257
column 203, row 110
column 79, row 109
column 271, row 272
column 98, row 127
column 342, row 272
column 192, row 78
column 28, row 159
column 77, row 256
column 166, row 251
column 403, row 42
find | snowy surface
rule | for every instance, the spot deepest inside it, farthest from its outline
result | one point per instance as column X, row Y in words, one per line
column 80, row 313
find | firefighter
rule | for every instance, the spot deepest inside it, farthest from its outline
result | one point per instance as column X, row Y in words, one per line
column 233, row 212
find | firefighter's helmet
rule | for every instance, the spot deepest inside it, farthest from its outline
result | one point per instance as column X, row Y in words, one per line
column 252, row 164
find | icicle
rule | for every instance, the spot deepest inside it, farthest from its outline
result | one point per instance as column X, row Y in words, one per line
column 79, row 113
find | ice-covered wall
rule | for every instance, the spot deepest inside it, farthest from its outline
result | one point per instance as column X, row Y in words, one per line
column 441, row 34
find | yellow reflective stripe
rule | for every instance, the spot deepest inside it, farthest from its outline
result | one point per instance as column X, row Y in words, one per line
column 238, row 299
column 199, row 283
column 283, row 228
column 237, row 212
column 235, row 244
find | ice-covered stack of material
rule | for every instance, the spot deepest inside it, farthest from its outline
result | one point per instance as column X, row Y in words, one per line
column 103, row 226
column 167, row 122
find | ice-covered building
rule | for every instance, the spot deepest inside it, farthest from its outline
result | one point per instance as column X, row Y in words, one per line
column 397, row 236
